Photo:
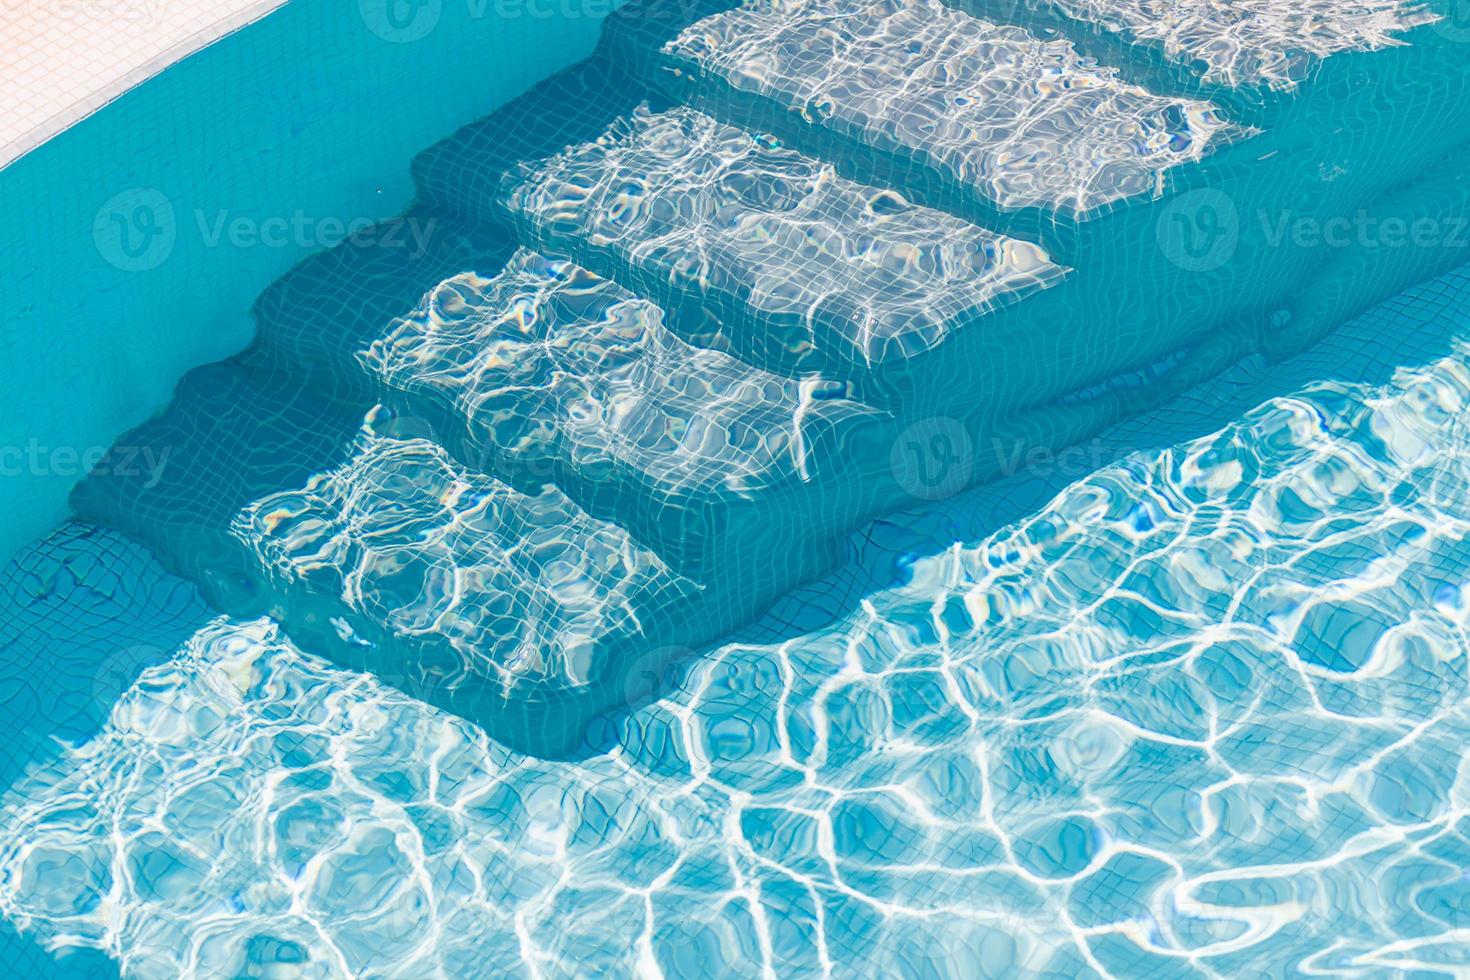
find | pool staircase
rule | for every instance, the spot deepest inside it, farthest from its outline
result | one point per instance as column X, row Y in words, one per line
column 691, row 312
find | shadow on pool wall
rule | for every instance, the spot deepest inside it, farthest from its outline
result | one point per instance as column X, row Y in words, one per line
column 133, row 244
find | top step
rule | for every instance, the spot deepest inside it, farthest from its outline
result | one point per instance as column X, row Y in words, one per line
column 1017, row 121
column 1259, row 44
column 1251, row 56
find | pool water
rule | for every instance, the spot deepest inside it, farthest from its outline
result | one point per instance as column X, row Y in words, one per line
column 686, row 316
column 938, row 513
column 1200, row 712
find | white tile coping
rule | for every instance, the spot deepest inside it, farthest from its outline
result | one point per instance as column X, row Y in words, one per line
column 62, row 60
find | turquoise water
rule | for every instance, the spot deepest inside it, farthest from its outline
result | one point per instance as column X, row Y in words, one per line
column 1200, row 712
column 686, row 316
column 879, row 490
column 293, row 130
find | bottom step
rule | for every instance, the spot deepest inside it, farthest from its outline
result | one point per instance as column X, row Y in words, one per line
column 520, row 612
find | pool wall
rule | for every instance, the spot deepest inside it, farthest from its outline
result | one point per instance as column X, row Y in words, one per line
column 133, row 244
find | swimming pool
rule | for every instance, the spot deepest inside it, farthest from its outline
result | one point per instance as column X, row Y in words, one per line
column 757, row 533
column 1200, row 710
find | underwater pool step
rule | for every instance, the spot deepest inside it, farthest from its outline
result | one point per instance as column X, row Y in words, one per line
column 1265, row 43
column 801, row 268
column 374, row 547
column 717, row 354
column 549, row 372
column 226, row 438
column 1256, row 58
column 312, row 322
column 517, row 588
column 979, row 119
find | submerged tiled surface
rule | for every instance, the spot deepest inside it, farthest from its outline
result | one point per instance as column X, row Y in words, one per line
column 1199, row 713
column 61, row 61
column 1194, row 712
column 760, row 232
column 1021, row 121
column 85, row 612
column 1256, row 42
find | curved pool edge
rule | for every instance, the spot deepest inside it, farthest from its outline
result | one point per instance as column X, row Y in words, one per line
column 136, row 240
column 159, row 38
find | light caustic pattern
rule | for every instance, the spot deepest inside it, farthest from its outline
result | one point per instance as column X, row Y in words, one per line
column 678, row 197
column 1256, row 42
column 1028, row 123
column 1203, row 713
column 516, row 586
column 549, row 365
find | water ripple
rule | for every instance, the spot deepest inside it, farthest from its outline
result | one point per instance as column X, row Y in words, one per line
column 1203, row 712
